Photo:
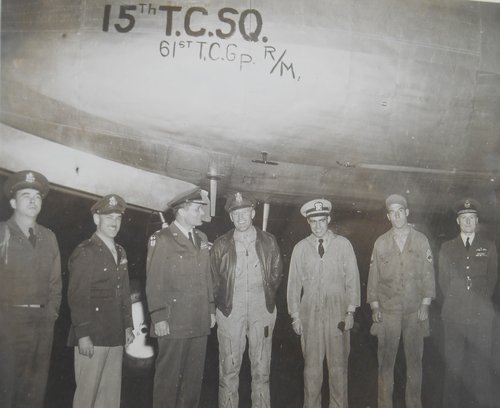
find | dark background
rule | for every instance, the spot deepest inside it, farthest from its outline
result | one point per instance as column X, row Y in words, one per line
column 68, row 215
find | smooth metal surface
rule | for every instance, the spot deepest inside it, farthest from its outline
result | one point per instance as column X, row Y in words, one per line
column 407, row 90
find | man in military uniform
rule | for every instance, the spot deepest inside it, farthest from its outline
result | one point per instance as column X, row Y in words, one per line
column 180, row 300
column 400, row 289
column 323, row 294
column 101, row 311
column 246, row 270
column 467, row 278
column 30, row 293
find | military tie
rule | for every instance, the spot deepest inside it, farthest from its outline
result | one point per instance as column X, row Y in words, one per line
column 32, row 237
column 321, row 249
column 467, row 243
column 191, row 238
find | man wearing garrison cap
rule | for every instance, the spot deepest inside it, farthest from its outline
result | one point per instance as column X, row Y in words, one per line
column 101, row 311
column 30, row 293
column 246, row 270
column 467, row 278
column 400, row 289
column 323, row 294
column 180, row 300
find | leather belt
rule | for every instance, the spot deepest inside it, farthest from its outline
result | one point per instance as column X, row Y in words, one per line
column 30, row 306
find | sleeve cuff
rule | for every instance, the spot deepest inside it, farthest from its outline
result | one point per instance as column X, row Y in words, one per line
column 294, row 315
column 159, row 315
column 426, row 301
column 374, row 305
column 82, row 330
column 351, row 308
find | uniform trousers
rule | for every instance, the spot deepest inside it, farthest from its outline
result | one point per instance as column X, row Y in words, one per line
column 98, row 379
column 232, row 333
column 389, row 333
column 317, row 344
column 179, row 372
column 26, row 346
column 461, row 340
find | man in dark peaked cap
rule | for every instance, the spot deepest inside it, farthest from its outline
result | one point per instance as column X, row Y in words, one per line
column 467, row 278
column 180, row 300
column 246, row 270
column 30, row 293
column 101, row 311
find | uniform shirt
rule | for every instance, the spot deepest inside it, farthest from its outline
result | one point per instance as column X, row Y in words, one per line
column 467, row 279
column 248, row 286
column 30, row 275
column 330, row 284
column 99, row 294
column 179, row 285
column 400, row 280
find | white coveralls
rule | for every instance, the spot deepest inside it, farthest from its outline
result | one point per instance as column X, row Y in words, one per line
column 249, row 317
column 331, row 288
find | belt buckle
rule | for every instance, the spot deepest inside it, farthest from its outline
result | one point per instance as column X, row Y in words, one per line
column 30, row 306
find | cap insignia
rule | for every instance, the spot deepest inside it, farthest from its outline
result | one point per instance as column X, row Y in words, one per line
column 112, row 201
column 30, row 177
column 318, row 206
column 467, row 204
column 238, row 198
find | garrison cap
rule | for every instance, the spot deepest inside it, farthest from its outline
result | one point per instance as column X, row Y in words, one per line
column 26, row 179
column 315, row 208
column 112, row 203
column 467, row 205
column 193, row 196
column 237, row 200
column 395, row 199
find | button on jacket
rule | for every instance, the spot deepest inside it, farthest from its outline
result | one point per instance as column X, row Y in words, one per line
column 479, row 265
column 223, row 260
column 179, row 285
column 99, row 294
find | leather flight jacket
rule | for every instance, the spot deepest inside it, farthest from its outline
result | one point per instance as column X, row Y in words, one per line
column 223, row 265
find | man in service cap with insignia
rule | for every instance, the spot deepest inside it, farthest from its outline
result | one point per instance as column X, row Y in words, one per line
column 323, row 294
column 101, row 311
column 400, row 289
column 30, row 293
column 180, row 300
column 467, row 278
column 246, row 270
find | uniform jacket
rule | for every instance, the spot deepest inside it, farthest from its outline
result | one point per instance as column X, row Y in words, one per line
column 330, row 284
column 456, row 263
column 179, row 286
column 99, row 294
column 399, row 281
column 223, row 265
column 30, row 275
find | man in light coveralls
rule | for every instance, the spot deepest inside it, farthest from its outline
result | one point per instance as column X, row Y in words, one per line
column 324, row 267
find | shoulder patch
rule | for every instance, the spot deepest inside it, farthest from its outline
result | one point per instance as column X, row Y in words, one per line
column 428, row 255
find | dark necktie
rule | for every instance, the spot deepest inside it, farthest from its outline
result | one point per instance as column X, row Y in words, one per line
column 321, row 249
column 467, row 243
column 191, row 238
column 32, row 237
